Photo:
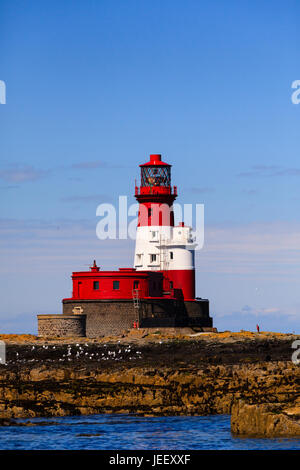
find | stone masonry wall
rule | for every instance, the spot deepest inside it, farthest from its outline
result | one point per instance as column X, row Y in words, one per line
column 61, row 325
column 105, row 317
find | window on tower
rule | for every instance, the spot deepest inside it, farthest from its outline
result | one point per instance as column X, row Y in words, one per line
column 139, row 259
column 171, row 255
column 152, row 258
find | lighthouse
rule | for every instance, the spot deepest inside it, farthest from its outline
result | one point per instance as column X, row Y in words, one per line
column 157, row 292
column 160, row 245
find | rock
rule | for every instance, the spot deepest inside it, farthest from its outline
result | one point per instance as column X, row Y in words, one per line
column 265, row 420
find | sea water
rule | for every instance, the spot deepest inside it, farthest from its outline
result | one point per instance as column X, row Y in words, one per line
column 132, row 432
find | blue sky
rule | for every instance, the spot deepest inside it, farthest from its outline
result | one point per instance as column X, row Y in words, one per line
column 94, row 87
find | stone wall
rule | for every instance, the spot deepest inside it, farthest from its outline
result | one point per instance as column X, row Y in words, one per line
column 107, row 317
column 104, row 317
column 62, row 325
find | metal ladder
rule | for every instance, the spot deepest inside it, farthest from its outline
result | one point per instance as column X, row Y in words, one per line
column 164, row 262
column 135, row 298
column 136, row 306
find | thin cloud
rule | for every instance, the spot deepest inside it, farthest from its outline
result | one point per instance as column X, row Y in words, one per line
column 21, row 173
column 269, row 171
column 90, row 165
column 91, row 198
column 264, row 250
column 251, row 311
column 14, row 186
column 246, row 310
column 199, row 190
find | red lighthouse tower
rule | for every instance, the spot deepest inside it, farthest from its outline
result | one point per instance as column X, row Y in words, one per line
column 160, row 245
column 159, row 291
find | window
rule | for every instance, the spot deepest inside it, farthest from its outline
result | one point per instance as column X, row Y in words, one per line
column 152, row 258
column 136, row 284
column 171, row 284
column 96, row 285
column 171, row 255
column 138, row 258
column 116, row 285
column 79, row 285
column 153, row 236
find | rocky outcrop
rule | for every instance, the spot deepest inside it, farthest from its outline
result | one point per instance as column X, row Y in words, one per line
column 266, row 420
column 50, row 391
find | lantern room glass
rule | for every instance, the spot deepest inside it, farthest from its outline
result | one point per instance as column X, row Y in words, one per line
column 156, row 176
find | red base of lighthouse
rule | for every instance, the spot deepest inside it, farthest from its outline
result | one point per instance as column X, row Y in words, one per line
column 113, row 301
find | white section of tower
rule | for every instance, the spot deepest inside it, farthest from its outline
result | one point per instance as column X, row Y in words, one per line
column 161, row 248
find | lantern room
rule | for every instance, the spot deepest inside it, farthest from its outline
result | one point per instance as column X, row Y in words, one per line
column 155, row 178
column 155, row 173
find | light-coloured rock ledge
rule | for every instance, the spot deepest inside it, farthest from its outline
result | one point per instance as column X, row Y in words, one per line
column 265, row 420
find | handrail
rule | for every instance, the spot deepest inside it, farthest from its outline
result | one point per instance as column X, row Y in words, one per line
column 153, row 190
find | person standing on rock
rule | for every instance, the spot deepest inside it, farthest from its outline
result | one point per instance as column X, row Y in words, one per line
column 257, row 328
